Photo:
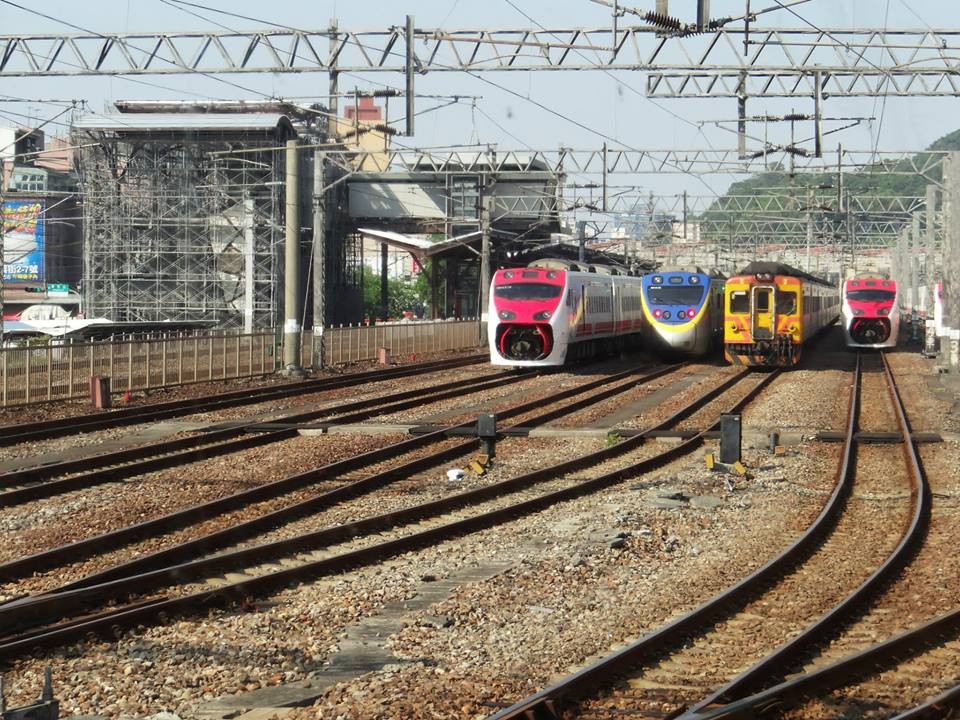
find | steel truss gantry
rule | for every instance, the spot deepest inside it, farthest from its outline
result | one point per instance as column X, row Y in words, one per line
column 609, row 160
column 724, row 62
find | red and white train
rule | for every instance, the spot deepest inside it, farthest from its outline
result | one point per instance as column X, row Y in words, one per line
column 871, row 312
column 553, row 311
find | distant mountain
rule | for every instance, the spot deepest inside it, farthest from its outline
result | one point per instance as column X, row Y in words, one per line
column 872, row 180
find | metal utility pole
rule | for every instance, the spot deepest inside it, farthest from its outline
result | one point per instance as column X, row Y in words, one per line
column 334, row 75
column 809, row 215
column 929, row 271
column 817, row 114
column 409, row 69
column 485, row 209
column 319, row 256
column 703, row 13
column 582, row 242
column 249, row 267
column 291, row 269
column 384, row 262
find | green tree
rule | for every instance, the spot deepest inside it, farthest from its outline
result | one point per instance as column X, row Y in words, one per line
column 401, row 295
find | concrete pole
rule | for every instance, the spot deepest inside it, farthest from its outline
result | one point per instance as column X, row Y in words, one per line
column 914, row 261
column 485, row 210
column 951, row 262
column 384, row 261
column 582, row 242
column 3, row 261
column 319, row 256
column 249, row 267
column 930, row 271
column 291, row 267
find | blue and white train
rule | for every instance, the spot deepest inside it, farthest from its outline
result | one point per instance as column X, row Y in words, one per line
column 684, row 311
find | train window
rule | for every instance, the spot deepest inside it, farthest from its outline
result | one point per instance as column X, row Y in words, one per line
column 528, row 291
column 786, row 302
column 663, row 295
column 871, row 295
column 739, row 302
column 763, row 301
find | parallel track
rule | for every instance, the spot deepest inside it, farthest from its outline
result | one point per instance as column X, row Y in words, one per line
column 559, row 699
column 56, row 604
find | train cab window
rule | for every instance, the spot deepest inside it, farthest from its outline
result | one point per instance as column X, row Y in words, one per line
column 739, row 302
column 661, row 295
column 528, row 291
column 871, row 295
column 763, row 301
column 786, row 302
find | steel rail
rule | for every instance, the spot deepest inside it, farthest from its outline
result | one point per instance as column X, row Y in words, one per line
column 203, row 511
column 743, row 696
column 775, row 664
column 54, row 606
column 129, row 462
column 547, row 702
column 213, row 541
column 12, row 434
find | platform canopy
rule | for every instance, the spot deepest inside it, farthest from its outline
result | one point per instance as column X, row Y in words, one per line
column 418, row 246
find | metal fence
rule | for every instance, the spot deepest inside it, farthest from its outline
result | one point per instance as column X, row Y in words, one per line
column 353, row 343
column 41, row 373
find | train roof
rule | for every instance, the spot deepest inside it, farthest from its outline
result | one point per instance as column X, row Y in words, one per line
column 775, row 268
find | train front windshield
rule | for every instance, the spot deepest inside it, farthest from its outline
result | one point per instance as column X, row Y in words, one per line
column 674, row 295
column 528, row 291
column 871, row 295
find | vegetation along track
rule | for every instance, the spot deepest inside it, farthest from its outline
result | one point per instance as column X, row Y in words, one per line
column 53, row 479
column 268, row 567
column 664, row 673
column 30, row 432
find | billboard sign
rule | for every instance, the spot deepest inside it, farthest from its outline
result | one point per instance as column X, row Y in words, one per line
column 23, row 235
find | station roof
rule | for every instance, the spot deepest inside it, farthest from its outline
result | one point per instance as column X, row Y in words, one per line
column 417, row 246
column 186, row 122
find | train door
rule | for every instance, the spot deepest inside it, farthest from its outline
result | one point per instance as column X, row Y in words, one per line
column 764, row 317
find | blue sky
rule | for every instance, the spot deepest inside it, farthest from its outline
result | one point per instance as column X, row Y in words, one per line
column 610, row 108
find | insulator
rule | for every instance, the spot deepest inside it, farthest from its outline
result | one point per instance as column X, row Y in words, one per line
column 665, row 21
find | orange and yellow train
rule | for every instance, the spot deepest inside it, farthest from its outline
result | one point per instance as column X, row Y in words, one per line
column 771, row 310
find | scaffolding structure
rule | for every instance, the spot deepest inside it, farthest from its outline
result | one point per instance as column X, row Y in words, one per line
column 182, row 223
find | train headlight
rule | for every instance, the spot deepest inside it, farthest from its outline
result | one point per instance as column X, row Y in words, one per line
column 542, row 315
column 694, row 279
column 507, row 315
column 666, row 314
column 857, row 311
column 508, row 274
column 551, row 275
column 658, row 280
column 691, row 313
column 883, row 311
column 658, row 313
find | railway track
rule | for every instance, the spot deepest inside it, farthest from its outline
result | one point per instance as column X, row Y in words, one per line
column 255, row 570
column 672, row 671
column 43, row 481
column 54, row 557
column 31, row 432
